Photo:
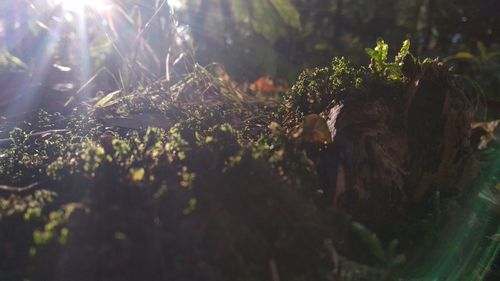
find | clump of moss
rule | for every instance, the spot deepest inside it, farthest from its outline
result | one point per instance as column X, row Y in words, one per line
column 397, row 132
column 316, row 88
column 207, row 197
column 198, row 181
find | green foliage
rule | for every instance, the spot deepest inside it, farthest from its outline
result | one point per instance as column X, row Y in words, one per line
column 288, row 12
column 405, row 49
column 30, row 206
column 92, row 156
column 385, row 257
column 478, row 70
column 9, row 62
column 215, row 178
column 190, row 180
column 379, row 56
column 329, row 29
column 268, row 18
column 241, row 10
column 266, row 22
column 52, row 230
column 173, row 172
column 316, row 88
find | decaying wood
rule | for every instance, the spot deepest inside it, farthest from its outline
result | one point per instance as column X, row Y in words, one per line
column 393, row 151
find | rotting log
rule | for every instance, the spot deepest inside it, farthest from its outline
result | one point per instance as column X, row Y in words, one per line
column 394, row 143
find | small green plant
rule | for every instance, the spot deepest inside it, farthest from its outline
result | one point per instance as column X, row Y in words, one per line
column 379, row 63
column 387, row 258
column 30, row 206
column 10, row 62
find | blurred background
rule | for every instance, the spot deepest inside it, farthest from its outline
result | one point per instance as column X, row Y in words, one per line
column 55, row 47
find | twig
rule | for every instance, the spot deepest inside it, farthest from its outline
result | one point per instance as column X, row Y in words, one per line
column 17, row 189
column 8, row 141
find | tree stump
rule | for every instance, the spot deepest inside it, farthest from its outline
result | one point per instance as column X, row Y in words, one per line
column 395, row 143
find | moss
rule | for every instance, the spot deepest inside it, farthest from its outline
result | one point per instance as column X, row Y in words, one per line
column 316, row 88
column 155, row 182
column 215, row 191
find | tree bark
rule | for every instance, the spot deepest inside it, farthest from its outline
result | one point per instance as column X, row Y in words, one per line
column 393, row 152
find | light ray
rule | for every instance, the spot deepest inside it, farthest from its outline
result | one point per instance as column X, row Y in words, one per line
column 174, row 4
column 79, row 6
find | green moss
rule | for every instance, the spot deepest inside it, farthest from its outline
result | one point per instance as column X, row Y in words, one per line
column 163, row 183
column 215, row 194
column 316, row 88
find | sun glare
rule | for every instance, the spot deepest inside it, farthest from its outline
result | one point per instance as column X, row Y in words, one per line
column 78, row 6
column 175, row 4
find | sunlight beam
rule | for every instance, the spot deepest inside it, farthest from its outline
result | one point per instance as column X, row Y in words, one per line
column 78, row 6
column 174, row 4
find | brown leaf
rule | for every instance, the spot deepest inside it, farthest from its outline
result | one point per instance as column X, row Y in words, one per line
column 313, row 129
column 484, row 131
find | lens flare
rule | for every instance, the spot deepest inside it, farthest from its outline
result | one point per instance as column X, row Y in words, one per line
column 79, row 6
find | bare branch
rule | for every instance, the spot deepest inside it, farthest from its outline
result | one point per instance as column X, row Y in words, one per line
column 17, row 189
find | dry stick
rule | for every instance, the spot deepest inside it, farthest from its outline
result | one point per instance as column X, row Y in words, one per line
column 17, row 189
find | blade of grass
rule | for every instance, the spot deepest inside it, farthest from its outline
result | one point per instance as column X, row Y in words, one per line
column 85, row 85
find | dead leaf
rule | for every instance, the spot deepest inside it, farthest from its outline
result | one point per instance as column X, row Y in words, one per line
column 313, row 129
column 108, row 99
column 276, row 129
column 486, row 132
